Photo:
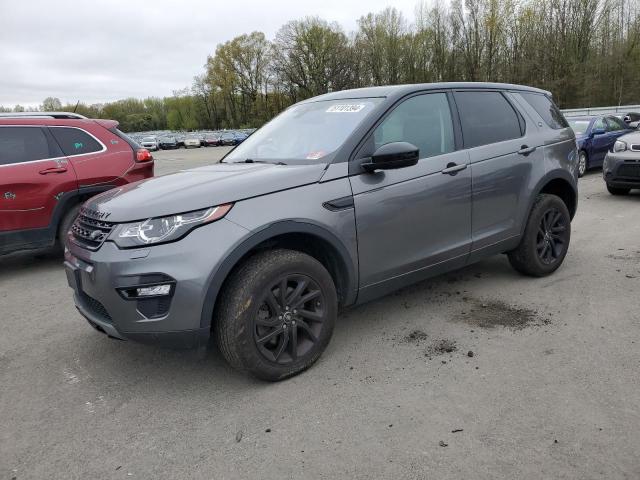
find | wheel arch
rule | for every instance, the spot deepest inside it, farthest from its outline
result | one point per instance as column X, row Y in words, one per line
column 308, row 238
column 561, row 184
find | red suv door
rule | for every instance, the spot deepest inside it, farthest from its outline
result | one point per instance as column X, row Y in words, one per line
column 33, row 176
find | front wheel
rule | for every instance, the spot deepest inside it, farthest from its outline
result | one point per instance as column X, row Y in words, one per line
column 618, row 190
column 276, row 314
column 546, row 238
column 583, row 163
column 65, row 226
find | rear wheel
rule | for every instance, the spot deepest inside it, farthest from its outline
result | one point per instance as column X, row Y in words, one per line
column 618, row 190
column 583, row 163
column 276, row 314
column 546, row 238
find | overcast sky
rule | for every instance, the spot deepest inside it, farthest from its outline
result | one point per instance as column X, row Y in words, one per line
column 102, row 50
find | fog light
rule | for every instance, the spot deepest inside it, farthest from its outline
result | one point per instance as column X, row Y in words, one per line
column 155, row 291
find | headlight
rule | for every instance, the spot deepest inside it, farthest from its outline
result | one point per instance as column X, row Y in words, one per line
column 165, row 229
column 619, row 146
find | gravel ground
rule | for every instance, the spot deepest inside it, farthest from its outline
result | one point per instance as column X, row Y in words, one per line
column 479, row 374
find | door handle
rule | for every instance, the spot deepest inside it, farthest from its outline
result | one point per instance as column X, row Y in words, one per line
column 526, row 150
column 53, row 170
column 453, row 168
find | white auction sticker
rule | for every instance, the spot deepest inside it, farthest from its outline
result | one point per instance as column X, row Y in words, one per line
column 346, row 108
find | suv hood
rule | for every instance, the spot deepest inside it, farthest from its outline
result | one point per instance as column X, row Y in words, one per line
column 198, row 188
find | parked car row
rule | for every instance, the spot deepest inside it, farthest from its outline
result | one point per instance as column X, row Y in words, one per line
column 272, row 284
column 595, row 136
column 613, row 143
column 170, row 140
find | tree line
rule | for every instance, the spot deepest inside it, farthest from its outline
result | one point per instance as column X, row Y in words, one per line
column 586, row 52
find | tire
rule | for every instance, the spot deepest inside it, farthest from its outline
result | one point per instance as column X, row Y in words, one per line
column 252, row 330
column 546, row 237
column 583, row 163
column 65, row 225
column 618, row 190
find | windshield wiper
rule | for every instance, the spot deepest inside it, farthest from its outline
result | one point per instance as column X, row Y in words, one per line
column 251, row 160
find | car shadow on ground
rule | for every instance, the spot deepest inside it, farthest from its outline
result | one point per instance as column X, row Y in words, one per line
column 30, row 260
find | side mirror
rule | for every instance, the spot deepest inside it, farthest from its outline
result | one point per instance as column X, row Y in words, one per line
column 597, row 131
column 393, row 155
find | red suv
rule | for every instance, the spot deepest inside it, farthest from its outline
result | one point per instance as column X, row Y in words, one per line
column 50, row 163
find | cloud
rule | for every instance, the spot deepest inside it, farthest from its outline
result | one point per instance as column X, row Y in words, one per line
column 99, row 50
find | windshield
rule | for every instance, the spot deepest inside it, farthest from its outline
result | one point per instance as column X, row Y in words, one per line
column 310, row 131
column 149, row 139
column 579, row 126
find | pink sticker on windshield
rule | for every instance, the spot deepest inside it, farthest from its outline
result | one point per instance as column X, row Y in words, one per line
column 316, row 155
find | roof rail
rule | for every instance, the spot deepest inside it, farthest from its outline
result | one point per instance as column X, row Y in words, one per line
column 59, row 115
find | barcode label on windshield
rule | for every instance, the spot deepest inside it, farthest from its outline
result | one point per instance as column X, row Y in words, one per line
column 345, row 108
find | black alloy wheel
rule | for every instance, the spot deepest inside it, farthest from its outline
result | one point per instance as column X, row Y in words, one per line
column 552, row 236
column 276, row 314
column 289, row 319
column 545, row 240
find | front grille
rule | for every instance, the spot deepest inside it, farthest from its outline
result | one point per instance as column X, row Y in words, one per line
column 96, row 308
column 90, row 233
column 629, row 170
column 635, row 147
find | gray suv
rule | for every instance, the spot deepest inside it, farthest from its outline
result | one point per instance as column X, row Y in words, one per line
column 340, row 199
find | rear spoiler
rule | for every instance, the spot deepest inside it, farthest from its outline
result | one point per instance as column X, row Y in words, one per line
column 108, row 124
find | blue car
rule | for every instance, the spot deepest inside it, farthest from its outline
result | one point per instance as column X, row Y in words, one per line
column 595, row 136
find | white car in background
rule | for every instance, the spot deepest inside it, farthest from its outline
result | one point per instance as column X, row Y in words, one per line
column 150, row 143
column 192, row 141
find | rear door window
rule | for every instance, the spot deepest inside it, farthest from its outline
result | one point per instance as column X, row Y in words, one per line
column 22, row 144
column 615, row 124
column 487, row 117
column 74, row 141
column 546, row 109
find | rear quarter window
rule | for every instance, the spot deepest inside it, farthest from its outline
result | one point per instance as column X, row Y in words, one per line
column 546, row 109
column 74, row 141
column 22, row 144
column 132, row 143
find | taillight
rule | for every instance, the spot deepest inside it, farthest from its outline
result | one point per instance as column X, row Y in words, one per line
column 143, row 155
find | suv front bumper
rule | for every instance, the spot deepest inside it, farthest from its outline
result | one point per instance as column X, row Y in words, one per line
column 102, row 279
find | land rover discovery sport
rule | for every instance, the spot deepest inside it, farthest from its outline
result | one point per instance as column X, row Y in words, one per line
column 340, row 199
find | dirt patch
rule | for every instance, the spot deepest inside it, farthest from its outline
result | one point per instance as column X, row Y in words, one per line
column 625, row 256
column 416, row 336
column 440, row 347
column 495, row 313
